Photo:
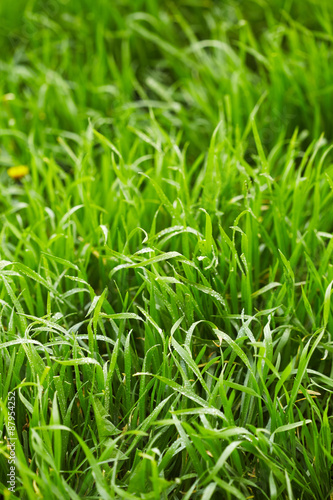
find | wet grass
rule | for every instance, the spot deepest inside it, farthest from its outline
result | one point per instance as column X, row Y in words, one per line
column 166, row 265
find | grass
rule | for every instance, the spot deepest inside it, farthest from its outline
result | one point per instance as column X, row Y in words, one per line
column 166, row 266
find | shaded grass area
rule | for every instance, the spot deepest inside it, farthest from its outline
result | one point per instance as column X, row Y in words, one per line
column 166, row 266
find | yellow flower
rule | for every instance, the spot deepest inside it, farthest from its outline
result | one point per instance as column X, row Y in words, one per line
column 18, row 172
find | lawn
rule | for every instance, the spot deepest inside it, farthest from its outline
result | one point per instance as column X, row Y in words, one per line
column 166, row 250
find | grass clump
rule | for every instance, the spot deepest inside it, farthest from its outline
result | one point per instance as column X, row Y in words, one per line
column 166, row 258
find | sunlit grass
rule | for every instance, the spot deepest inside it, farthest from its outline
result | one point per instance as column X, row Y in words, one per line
column 166, row 256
